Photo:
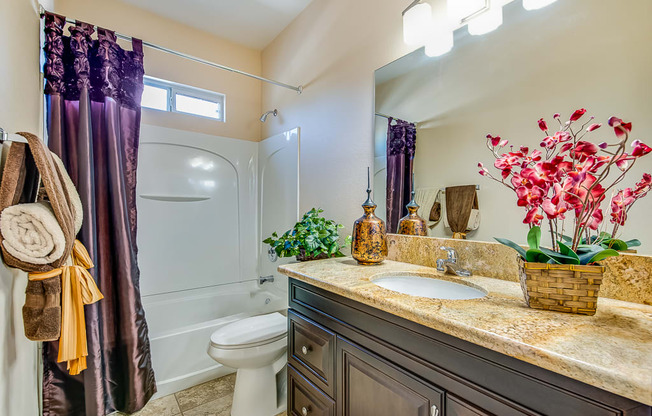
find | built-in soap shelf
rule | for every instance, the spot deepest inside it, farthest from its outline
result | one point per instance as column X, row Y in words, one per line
column 175, row 198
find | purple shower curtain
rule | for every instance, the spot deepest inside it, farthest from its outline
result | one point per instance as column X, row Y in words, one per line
column 93, row 90
column 401, row 144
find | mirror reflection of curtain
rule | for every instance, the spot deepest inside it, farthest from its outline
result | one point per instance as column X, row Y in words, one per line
column 93, row 93
column 401, row 144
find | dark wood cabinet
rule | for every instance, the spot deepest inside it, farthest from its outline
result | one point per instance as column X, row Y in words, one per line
column 349, row 359
column 368, row 385
column 312, row 349
column 458, row 407
column 305, row 399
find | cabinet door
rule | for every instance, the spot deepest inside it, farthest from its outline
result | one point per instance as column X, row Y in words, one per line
column 458, row 407
column 370, row 386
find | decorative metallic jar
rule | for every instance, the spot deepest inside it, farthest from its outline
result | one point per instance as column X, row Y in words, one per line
column 369, row 245
column 412, row 223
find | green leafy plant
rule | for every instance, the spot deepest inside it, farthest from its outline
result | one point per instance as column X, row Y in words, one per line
column 584, row 254
column 314, row 236
column 606, row 241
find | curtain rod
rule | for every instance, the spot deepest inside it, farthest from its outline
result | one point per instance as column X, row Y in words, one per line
column 388, row 117
column 298, row 89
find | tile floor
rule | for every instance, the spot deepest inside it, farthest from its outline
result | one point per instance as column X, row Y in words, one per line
column 212, row 398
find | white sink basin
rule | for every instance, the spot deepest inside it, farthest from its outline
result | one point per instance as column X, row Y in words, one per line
column 429, row 287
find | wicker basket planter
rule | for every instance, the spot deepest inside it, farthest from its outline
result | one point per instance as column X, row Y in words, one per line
column 561, row 287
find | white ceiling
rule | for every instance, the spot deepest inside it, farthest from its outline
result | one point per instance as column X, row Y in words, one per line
column 253, row 23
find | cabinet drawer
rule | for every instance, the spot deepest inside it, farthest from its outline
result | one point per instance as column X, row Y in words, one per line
column 311, row 350
column 304, row 399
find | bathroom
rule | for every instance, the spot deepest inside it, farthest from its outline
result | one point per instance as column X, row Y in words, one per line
column 297, row 97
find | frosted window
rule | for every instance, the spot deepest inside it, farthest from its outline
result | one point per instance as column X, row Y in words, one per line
column 155, row 97
column 164, row 95
column 198, row 106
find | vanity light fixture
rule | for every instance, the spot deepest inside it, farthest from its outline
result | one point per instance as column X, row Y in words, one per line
column 462, row 11
column 487, row 21
column 440, row 39
column 536, row 4
column 417, row 23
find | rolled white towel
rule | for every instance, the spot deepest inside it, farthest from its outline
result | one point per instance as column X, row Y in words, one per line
column 31, row 233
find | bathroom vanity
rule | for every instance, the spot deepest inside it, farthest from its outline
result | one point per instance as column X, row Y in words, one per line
column 357, row 349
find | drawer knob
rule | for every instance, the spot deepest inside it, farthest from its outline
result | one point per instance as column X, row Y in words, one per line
column 305, row 410
column 305, row 350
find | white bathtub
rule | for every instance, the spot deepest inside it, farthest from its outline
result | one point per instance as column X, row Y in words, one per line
column 180, row 326
column 205, row 204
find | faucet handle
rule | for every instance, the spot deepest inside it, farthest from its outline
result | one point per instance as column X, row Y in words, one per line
column 452, row 254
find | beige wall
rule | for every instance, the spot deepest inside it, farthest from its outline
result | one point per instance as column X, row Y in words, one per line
column 20, row 110
column 333, row 48
column 243, row 95
column 503, row 82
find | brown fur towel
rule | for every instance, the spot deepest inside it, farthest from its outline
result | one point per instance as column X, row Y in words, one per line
column 42, row 309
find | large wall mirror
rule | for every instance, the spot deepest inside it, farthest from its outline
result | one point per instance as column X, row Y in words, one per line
column 568, row 55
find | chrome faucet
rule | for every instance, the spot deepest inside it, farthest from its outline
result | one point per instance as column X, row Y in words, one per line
column 450, row 264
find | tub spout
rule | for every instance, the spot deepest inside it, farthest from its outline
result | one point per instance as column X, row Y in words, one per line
column 263, row 279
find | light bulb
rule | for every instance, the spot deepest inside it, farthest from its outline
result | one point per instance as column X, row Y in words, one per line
column 416, row 24
column 536, row 4
column 487, row 21
column 440, row 39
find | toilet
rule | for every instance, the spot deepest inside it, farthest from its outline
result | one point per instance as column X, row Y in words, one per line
column 255, row 347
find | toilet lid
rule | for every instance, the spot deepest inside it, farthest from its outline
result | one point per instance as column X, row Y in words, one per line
column 251, row 331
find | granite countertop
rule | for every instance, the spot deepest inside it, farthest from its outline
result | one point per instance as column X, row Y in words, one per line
column 611, row 350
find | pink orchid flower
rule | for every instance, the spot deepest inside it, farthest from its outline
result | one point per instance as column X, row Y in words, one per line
column 583, row 150
column 533, row 157
column 496, row 141
column 543, row 174
column 555, row 207
column 619, row 204
column 507, row 162
column 529, row 197
column 543, row 125
column 640, row 148
column 551, row 142
column 619, row 126
column 594, row 126
column 644, row 186
column 533, row 217
column 596, row 219
column 519, row 180
column 576, row 186
column 578, row 114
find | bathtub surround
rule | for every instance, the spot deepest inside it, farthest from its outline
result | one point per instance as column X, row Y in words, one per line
column 222, row 197
column 93, row 126
column 627, row 277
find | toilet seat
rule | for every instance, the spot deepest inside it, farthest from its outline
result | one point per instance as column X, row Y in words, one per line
column 250, row 332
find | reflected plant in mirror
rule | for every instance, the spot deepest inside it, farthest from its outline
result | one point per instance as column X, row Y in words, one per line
column 572, row 176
